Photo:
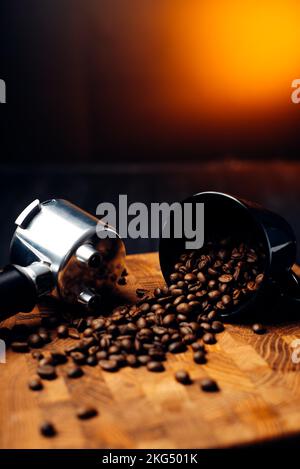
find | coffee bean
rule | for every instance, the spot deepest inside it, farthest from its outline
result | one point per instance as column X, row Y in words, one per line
column 78, row 358
column 47, row 372
column 196, row 346
column 182, row 377
column 183, row 308
column 85, row 413
column 132, row 360
column 217, row 326
column 58, row 358
column 209, row 338
column 214, row 294
column 155, row 366
column 190, row 277
column 199, row 357
column 47, row 429
column 74, row 372
column 62, row 331
column 74, row 334
column 225, row 278
column 35, row 384
column 226, row 300
column 108, row 365
column 35, row 341
column 20, row 347
column 91, row 360
column 176, row 347
column 259, row 328
column 140, row 292
column 144, row 359
column 37, row 355
column 208, row 385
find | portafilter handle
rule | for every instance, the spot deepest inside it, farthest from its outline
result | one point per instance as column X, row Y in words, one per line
column 59, row 250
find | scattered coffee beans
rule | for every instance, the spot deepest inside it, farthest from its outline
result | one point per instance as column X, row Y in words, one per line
column 47, row 429
column 84, row 413
column 204, row 286
column 183, row 377
column 35, row 384
column 259, row 328
column 209, row 385
column 46, row 372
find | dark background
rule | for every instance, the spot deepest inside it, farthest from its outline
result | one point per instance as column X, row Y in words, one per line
column 103, row 99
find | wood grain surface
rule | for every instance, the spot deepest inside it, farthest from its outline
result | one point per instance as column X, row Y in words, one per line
column 259, row 398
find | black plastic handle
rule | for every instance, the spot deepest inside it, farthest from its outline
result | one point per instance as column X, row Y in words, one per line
column 17, row 292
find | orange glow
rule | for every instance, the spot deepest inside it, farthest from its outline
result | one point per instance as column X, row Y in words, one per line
column 229, row 56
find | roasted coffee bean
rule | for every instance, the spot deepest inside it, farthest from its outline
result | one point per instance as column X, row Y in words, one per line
column 226, row 300
column 214, row 294
column 78, row 358
column 157, row 355
column 178, row 300
column 190, row 278
column 225, row 278
column 58, row 358
column 73, row 333
column 35, row 341
column 20, row 347
column 212, row 315
column 122, row 281
column 199, row 357
column 101, row 355
column 176, row 347
column 74, row 371
column 189, row 339
column 201, row 277
column 175, row 277
column 35, row 384
column 169, row 319
column 196, row 346
column 37, row 355
column 47, row 372
column 108, row 365
column 209, row 385
column 177, row 292
column 91, row 360
column 143, row 359
column 140, row 292
column 209, row 338
column 48, row 360
column 132, row 360
column 62, row 331
column 206, row 326
column 119, row 358
column 98, row 325
column 183, row 377
column 217, row 326
column 183, row 308
column 259, row 328
column 48, row 429
column 155, row 366
column 85, row 413
column 259, row 278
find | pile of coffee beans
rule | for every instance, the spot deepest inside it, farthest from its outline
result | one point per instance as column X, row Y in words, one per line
column 204, row 285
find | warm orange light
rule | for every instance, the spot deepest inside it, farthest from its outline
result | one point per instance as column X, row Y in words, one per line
column 233, row 55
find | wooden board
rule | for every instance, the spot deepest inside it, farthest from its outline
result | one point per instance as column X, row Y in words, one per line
column 259, row 398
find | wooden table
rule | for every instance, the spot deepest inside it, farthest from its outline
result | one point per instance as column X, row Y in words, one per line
column 259, row 398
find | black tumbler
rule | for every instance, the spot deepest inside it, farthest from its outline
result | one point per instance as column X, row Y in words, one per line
column 225, row 215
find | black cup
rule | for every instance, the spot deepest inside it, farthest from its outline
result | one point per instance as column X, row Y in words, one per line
column 225, row 215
